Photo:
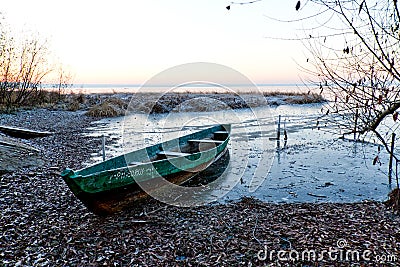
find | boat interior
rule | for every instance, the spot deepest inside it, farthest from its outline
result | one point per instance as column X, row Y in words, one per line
column 183, row 146
column 187, row 148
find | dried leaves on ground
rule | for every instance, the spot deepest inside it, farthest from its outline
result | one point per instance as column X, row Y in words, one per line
column 43, row 224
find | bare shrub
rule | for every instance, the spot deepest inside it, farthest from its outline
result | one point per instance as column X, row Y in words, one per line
column 25, row 63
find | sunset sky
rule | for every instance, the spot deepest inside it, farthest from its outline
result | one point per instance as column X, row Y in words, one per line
column 129, row 41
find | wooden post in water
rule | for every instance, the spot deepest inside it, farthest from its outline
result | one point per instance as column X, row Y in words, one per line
column 104, row 147
column 284, row 130
column 397, row 175
column 278, row 135
column 391, row 157
column 355, row 125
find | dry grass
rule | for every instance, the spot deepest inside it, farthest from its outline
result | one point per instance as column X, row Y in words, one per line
column 74, row 102
column 102, row 110
column 298, row 98
column 73, row 106
column 111, row 107
column 116, row 102
column 31, row 99
column 284, row 93
column 305, row 99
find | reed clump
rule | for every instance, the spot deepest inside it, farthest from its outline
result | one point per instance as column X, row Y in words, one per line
column 304, row 99
column 298, row 98
column 75, row 102
column 110, row 107
column 9, row 102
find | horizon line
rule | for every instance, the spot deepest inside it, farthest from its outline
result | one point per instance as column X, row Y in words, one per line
column 136, row 85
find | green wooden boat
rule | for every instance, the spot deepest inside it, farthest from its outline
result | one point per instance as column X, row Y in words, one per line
column 114, row 184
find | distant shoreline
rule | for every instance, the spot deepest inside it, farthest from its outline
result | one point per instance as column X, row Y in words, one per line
column 192, row 88
column 114, row 105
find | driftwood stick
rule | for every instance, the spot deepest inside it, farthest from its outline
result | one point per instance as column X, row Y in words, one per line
column 315, row 195
column 254, row 230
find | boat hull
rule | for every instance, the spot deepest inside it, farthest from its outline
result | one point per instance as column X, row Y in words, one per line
column 122, row 198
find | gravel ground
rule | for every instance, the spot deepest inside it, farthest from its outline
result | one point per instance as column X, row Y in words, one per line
column 43, row 224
